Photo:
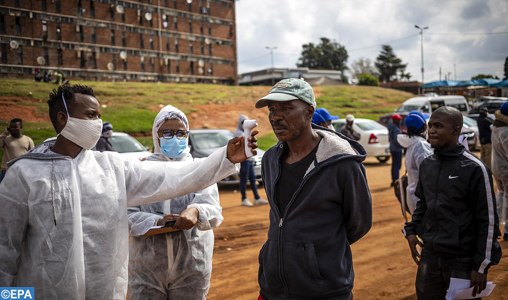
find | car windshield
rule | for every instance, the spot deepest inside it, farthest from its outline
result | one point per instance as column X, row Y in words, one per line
column 407, row 108
column 211, row 140
column 126, row 143
column 367, row 125
column 469, row 122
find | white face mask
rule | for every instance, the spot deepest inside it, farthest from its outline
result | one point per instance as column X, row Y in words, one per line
column 84, row 133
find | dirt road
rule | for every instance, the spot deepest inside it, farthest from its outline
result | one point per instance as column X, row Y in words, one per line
column 382, row 261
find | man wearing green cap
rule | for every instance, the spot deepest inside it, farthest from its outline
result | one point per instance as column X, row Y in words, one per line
column 319, row 201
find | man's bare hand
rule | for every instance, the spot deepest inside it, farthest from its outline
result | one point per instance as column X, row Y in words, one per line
column 236, row 149
column 187, row 219
column 478, row 281
column 412, row 240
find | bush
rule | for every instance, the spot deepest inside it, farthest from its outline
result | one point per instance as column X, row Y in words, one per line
column 368, row 79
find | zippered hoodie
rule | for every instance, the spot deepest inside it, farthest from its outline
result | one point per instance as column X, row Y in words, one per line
column 456, row 215
column 307, row 254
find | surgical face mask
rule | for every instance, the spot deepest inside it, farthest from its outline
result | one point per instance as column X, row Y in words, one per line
column 173, row 147
column 108, row 134
column 84, row 133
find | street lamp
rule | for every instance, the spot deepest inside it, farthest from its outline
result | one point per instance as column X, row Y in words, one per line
column 271, row 54
column 421, row 33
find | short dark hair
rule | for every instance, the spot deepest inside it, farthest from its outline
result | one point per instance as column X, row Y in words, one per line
column 16, row 120
column 55, row 101
column 454, row 115
column 411, row 130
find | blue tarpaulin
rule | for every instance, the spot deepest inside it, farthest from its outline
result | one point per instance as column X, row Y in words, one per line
column 503, row 83
column 441, row 83
column 474, row 82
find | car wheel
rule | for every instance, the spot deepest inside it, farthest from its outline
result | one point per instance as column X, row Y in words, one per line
column 383, row 159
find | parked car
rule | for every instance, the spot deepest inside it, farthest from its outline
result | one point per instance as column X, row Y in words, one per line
column 491, row 106
column 472, row 125
column 430, row 104
column 373, row 137
column 484, row 99
column 204, row 142
column 126, row 145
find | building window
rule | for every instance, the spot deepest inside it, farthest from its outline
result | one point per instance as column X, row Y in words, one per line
column 112, row 12
column 210, row 70
column 175, row 22
column 140, row 17
column 201, row 30
column 151, row 42
column 92, row 9
column 209, row 28
column 168, row 62
column 57, row 6
column 190, row 6
column 203, row 48
column 125, row 64
column 59, row 52
column 190, row 25
column 166, row 3
column 93, row 35
column 123, row 16
column 210, row 49
column 191, row 47
column 165, row 21
column 44, row 6
column 81, row 35
column 177, row 66
column 80, row 9
column 4, row 53
column 152, row 64
column 113, row 61
column 46, row 57
column 192, row 68
column 19, row 55
column 18, row 25
column 113, row 37
column 16, row 3
column 174, row 4
column 176, row 45
column 124, row 42
column 207, row 7
column 94, row 60
column 151, row 22
column 142, row 63
column 82, row 61
column 167, row 43
column 141, row 42
column 44, row 30
column 58, row 32
column 2, row 24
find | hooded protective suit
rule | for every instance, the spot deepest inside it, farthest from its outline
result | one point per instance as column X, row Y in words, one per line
column 417, row 150
column 499, row 139
column 175, row 265
column 64, row 220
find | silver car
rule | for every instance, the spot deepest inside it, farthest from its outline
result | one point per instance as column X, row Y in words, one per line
column 203, row 142
column 373, row 137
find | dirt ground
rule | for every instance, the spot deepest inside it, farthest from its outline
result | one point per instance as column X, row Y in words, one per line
column 382, row 260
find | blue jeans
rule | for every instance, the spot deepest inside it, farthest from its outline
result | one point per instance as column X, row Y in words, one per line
column 434, row 273
column 2, row 175
column 247, row 171
column 396, row 162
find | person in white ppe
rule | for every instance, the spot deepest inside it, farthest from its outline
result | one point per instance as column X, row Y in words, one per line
column 417, row 150
column 174, row 265
column 499, row 139
column 63, row 216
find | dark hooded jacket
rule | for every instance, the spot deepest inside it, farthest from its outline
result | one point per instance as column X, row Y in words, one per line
column 308, row 254
column 456, row 215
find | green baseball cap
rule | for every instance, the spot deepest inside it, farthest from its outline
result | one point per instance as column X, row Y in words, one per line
column 287, row 90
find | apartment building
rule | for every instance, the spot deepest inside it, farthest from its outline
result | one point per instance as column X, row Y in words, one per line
column 112, row 40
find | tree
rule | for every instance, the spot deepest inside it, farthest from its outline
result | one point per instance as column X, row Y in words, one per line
column 327, row 55
column 481, row 76
column 505, row 69
column 362, row 66
column 388, row 64
column 368, row 79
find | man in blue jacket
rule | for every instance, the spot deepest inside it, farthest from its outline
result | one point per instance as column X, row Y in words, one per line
column 319, row 201
column 456, row 216
column 395, row 147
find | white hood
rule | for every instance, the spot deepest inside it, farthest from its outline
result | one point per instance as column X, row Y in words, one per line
column 406, row 141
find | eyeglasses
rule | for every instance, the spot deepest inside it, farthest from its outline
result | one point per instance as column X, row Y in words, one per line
column 169, row 134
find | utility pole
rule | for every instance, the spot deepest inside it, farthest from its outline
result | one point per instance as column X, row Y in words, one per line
column 421, row 33
column 455, row 71
column 271, row 54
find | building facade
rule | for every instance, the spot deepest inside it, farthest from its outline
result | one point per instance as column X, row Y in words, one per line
column 111, row 40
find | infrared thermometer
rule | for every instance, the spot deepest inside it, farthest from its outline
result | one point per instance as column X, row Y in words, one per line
column 248, row 125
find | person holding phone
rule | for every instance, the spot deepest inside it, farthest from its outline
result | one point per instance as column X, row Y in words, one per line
column 178, row 264
column 14, row 145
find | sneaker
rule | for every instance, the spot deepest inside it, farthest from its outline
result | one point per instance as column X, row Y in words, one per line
column 246, row 202
column 260, row 201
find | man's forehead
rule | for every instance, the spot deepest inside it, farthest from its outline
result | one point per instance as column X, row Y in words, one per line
column 85, row 99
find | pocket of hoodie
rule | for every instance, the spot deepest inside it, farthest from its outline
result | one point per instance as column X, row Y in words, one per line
column 268, row 273
column 301, row 269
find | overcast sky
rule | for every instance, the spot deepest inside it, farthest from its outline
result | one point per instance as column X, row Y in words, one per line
column 461, row 32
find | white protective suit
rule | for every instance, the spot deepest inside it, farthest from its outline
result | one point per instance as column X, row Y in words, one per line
column 499, row 139
column 175, row 265
column 417, row 150
column 63, row 220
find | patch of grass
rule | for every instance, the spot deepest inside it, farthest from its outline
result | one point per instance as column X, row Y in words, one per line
column 266, row 141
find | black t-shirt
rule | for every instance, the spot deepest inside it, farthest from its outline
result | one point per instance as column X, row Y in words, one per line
column 290, row 178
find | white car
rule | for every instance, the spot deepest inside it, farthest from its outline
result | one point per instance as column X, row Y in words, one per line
column 373, row 137
column 126, row 145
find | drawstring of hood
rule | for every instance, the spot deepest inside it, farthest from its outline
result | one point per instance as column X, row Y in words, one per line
column 53, row 189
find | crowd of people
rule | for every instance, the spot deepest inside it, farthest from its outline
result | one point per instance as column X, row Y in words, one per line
column 76, row 222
